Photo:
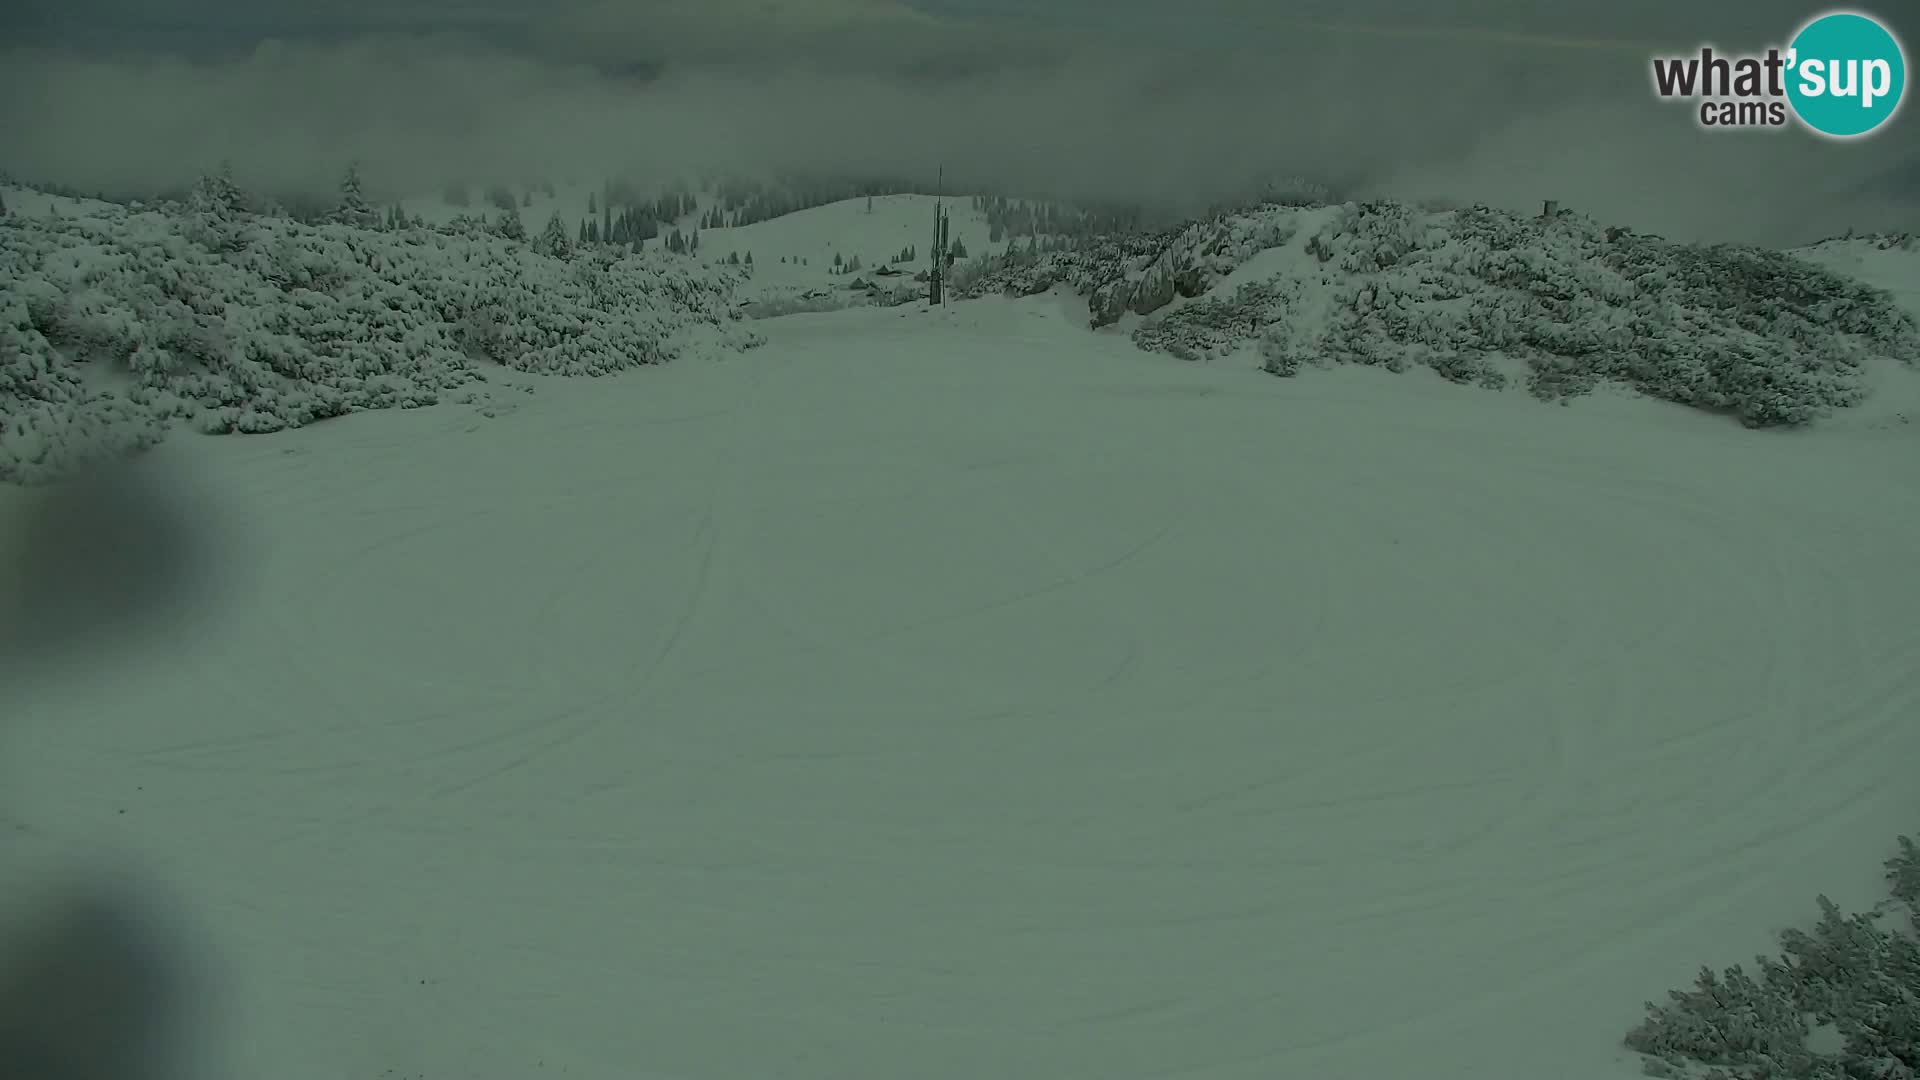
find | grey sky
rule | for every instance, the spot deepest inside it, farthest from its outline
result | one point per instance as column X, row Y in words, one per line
column 1506, row 101
column 581, row 28
column 189, row 24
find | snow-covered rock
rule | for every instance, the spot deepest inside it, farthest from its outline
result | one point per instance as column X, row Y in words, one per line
column 115, row 322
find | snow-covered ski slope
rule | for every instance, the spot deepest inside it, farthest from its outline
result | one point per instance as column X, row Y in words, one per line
column 873, row 230
column 962, row 694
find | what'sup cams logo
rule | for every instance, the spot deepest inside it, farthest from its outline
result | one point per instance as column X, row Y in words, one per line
column 1842, row 76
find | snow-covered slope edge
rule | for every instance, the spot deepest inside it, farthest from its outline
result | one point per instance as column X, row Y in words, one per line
column 1479, row 295
column 115, row 322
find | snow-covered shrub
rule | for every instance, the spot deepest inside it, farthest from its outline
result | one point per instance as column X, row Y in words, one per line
column 1765, row 336
column 554, row 241
column 1852, row 979
column 116, row 323
column 1213, row 326
column 1011, row 273
column 508, row 224
column 1137, row 272
column 1372, row 237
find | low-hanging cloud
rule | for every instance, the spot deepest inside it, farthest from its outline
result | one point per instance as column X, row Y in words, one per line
column 899, row 94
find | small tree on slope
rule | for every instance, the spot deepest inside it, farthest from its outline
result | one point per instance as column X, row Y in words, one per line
column 554, row 240
column 353, row 209
column 509, row 225
column 216, row 209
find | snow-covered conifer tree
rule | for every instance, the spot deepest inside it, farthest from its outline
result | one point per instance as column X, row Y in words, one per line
column 509, row 225
column 216, row 193
column 553, row 240
column 216, row 206
column 353, row 209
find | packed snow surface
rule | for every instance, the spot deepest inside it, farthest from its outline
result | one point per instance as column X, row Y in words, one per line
column 963, row 694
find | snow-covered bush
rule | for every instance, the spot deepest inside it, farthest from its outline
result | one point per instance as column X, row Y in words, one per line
column 1765, row 336
column 554, row 241
column 1133, row 272
column 116, row 323
column 1840, row 1003
column 1212, row 326
column 1761, row 335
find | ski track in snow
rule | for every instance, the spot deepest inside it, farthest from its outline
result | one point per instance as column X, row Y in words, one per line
column 985, row 699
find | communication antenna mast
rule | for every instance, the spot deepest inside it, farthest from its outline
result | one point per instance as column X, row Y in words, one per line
column 938, row 252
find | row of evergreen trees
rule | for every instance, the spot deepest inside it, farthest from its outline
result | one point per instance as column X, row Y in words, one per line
column 218, row 202
column 630, row 228
column 622, row 215
column 745, row 202
column 216, row 193
column 1009, row 217
column 498, row 196
column 620, row 212
column 638, row 220
column 629, row 215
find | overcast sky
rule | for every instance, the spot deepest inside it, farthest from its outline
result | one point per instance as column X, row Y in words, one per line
column 1503, row 101
column 199, row 24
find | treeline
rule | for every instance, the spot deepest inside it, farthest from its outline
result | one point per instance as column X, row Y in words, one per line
column 620, row 213
column 740, row 202
column 219, row 207
column 1010, row 217
column 745, row 202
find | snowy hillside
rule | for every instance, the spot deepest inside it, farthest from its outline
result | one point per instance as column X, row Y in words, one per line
column 794, row 254
column 1890, row 263
column 119, row 320
column 960, row 694
column 116, row 322
column 1562, row 304
column 966, row 692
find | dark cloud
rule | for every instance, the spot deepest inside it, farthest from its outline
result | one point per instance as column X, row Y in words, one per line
column 1502, row 102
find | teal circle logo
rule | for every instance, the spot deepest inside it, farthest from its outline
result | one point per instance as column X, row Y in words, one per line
column 1847, row 74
